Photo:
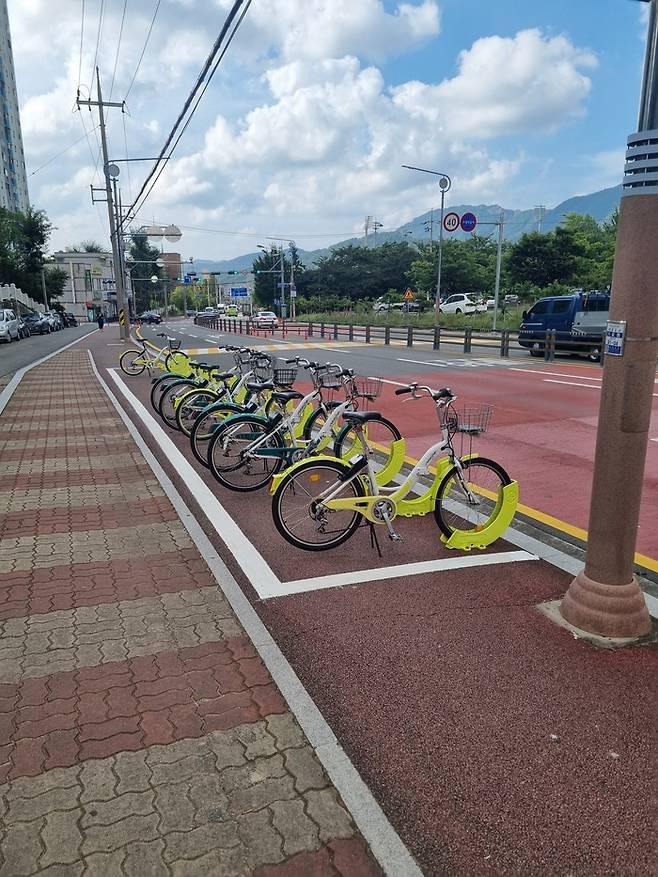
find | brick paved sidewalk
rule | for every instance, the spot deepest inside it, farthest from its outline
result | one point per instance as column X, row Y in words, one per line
column 140, row 732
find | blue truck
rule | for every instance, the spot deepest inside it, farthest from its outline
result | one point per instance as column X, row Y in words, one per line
column 579, row 322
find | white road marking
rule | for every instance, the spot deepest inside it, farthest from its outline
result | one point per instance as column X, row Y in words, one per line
column 423, row 362
column 384, row 381
column 536, row 371
column 574, row 384
column 403, row 569
column 258, row 571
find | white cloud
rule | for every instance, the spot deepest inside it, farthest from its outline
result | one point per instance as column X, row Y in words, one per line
column 299, row 129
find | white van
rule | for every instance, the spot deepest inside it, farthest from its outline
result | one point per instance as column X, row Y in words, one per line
column 9, row 325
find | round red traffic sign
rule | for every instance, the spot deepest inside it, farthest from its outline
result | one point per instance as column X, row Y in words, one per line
column 451, row 221
column 468, row 221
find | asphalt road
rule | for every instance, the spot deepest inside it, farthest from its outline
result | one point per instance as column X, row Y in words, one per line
column 21, row 353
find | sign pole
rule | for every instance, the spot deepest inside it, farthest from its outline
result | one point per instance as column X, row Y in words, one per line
column 499, row 258
column 437, row 298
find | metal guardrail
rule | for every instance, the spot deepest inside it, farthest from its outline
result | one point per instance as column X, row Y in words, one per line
column 505, row 341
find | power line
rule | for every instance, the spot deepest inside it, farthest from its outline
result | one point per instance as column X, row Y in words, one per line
column 82, row 34
column 98, row 37
column 157, row 168
column 116, row 57
column 57, row 155
column 146, row 42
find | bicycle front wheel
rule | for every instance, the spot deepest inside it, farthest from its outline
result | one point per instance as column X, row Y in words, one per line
column 191, row 406
column 169, row 400
column 129, row 362
column 379, row 435
column 302, row 519
column 229, row 458
column 177, row 362
column 468, row 501
column 205, row 426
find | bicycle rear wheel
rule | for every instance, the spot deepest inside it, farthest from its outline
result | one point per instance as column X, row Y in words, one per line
column 468, row 502
column 236, row 469
column 302, row 520
column 158, row 387
column 128, row 364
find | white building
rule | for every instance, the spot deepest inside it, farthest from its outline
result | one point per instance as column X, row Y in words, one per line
column 13, row 179
column 90, row 286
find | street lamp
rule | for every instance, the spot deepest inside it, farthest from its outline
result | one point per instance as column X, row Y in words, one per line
column 444, row 185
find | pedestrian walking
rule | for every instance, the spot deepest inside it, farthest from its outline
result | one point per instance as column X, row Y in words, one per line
column 101, row 321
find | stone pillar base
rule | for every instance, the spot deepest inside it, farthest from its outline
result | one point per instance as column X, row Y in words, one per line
column 606, row 610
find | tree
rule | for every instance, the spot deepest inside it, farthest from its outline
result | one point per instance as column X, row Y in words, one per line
column 267, row 274
column 89, row 246
column 144, row 267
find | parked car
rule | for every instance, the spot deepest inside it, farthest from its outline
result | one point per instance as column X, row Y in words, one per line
column 9, row 326
column 462, row 304
column 37, row 323
column 191, row 313
column 69, row 319
column 54, row 320
column 512, row 300
column 579, row 322
column 23, row 328
column 150, row 317
column 380, row 306
column 265, row 320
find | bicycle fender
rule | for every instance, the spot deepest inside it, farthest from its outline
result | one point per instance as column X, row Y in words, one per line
column 278, row 478
column 506, row 508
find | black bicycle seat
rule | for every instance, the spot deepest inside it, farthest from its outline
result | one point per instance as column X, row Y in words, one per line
column 222, row 376
column 258, row 386
column 287, row 395
column 362, row 416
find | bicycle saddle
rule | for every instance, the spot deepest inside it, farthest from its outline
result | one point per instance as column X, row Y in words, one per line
column 362, row 416
column 287, row 395
column 257, row 386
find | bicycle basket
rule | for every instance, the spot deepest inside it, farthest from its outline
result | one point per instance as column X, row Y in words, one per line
column 367, row 388
column 469, row 419
column 330, row 379
column 261, row 365
column 174, row 343
column 242, row 359
column 285, row 377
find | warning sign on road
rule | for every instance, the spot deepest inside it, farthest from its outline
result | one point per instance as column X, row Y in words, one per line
column 408, row 295
column 451, row 221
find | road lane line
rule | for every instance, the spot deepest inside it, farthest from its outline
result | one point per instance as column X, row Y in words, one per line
column 537, row 371
column 253, row 564
column 423, row 362
column 588, row 386
column 404, row 569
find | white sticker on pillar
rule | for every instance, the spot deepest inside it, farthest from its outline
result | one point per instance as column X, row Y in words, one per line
column 615, row 335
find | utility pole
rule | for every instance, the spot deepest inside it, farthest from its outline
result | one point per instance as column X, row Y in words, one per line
column 283, row 283
column 43, row 286
column 124, row 330
column 499, row 259
column 293, row 288
column 605, row 598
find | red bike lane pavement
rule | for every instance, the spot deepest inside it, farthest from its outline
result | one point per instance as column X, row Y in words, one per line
column 494, row 741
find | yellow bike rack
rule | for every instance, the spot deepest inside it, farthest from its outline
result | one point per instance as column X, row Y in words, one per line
column 506, row 506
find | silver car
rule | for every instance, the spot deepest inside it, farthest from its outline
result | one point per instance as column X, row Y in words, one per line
column 9, row 326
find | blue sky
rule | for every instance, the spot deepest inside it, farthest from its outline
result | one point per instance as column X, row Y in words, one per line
column 303, row 131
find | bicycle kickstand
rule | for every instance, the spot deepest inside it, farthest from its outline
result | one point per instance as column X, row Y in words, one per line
column 374, row 541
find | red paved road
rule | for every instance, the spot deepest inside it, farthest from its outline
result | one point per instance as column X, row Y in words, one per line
column 495, row 742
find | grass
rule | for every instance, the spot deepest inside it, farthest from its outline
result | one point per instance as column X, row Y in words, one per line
column 511, row 319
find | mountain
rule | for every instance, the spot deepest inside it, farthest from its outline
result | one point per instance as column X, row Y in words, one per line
column 517, row 222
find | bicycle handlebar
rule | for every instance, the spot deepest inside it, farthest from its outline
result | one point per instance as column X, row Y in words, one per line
column 445, row 394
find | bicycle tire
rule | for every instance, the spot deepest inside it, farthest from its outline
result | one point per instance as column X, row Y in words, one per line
column 166, row 405
column 442, row 513
column 239, row 474
column 191, row 405
column 133, row 354
column 325, row 469
column 346, row 444
column 178, row 360
column 317, row 420
column 158, row 387
column 199, row 438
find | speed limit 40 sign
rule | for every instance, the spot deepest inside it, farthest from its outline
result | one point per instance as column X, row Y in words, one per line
column 451, row 221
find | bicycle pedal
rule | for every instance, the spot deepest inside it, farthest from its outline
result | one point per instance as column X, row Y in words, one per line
column 395, row 537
